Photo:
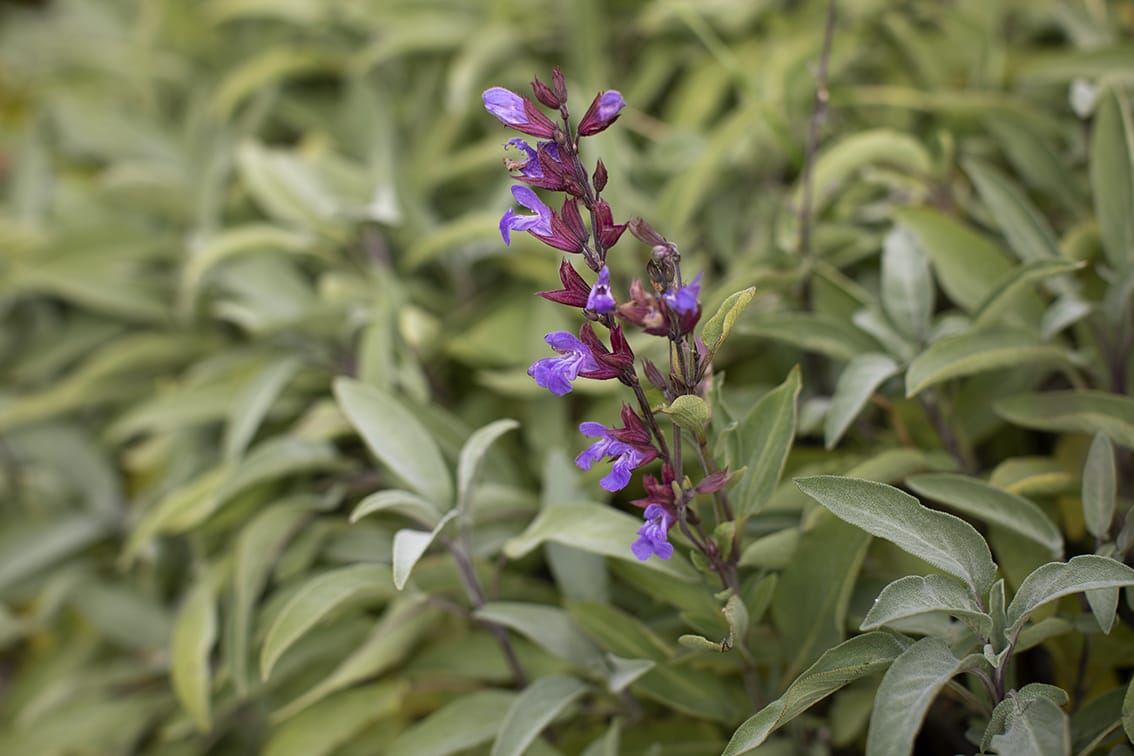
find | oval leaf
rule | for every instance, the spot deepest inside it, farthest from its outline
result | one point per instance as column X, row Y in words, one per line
column 907, row 284
column 1099, row 486
column 1057, row 579
column 396, row 438
column 472, row 454
column 914, row 595
column 533, row 710
column 859, row 380
column 194, row 632
column 718, row 327
column 402, row 502
column 1073, row 411
column 764, row 439
column 976, row 352
column 457, row 726
column 410, row 545
column 945, row 541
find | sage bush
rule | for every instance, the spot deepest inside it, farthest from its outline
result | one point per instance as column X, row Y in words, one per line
column 275, row 476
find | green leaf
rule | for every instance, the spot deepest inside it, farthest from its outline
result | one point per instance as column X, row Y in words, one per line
column 764, row 439
column 691, row 413
column 253, row 403
column 718, row 327
column 853, row 659
column 548, row 626
column 325, row 728
column 287, row 188
column 1037, row 727
column 1013, row 705
column 410, row 545
column 457, row 726
column 913, row 596
column 1076, row 411
column 1028, row 232
column 857, row 383
column 908, row 688
column 31, row 547
column 810, row 603
column 966, row 263
column 1099, row 487
column 1112, row 178
column 1057, row 579
column 1104, row 605
column 907, row 285
column 472, row 454
column 194, row 632
column 402, row 502
column 533, row 710
column 978, row 499
column 1128, row 710
column 947, row 542
column 397, row 439
column 317, row 598
column 597, row 529
column 828, row 335
column 1007, row 292
column 976, row 352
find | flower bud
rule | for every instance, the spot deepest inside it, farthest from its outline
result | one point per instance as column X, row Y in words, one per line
column 545, row 94
column 600, row 176
column 603, row 111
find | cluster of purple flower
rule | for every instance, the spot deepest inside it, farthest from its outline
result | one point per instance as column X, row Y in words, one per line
column 671, row 309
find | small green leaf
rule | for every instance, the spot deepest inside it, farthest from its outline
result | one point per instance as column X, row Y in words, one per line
column 947, row 542
column 194, row 632
column 1112, row 178
column 402, row 502
column 1057, row 579
column 472, row 454
column 1037, row 727
column 410, row 545
column 315, row 600
column 397, row 439
column 691, row 413
column 857, row 383
column 1076, row 411
column 908, row 688
column 978, row 499
column 913, row 595
column 1099, row 487
column 907, row 285
column 718, row 327
column 533, row 710
column 457, row 726
column 976, row 352
column 855, row 658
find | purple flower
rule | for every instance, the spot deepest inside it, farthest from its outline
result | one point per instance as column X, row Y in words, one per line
column 539, row 223
column 625, row 456
column 600, row 299
column 556, row 373
column 603, row 111
column 528, row 166
column 684, row 299
column 517, row 112
column 653, row 536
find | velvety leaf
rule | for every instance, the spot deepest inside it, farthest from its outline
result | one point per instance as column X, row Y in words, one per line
column 907, row 285
column 765, row 436
column 410, row 545
column 1077, row 411
column 534, row 709
column 1128, row 710
column 1112, row 178
column 719, row 326
column 194, row 632
column 597, row 529
column 945, row 541
column 1099, row 487
column 859, row 380
column 463, row 723
column 978, row 351
column 690, row 413
column 1104, row 605
column 397, row 439
column 1057, row 579
column 912, row 596
column 1036, row 727
column 472, row 455
column 978, row 499
column 316, row 599
column 908, row 688
column 855, row 658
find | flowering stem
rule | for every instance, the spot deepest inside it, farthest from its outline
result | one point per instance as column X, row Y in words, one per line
column 648, row 416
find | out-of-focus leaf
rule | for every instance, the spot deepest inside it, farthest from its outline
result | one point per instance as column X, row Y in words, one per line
column 317, row 598
column 410, row 545
column 547, row 626
column 858, row 657
column 397, row 439
column 251, row 407
column 830, row 336
column 597, row 529
column 907, row 690
column 1112, row 178
column 328, row 725
column 461, row 724
column 194, row 632
column 945, row 541
column 976, row 352
column 978, row 499
column 472, row 455
column 285, row 187
column 907, row 285
column 1057, row 579
column 857, row 383
column 1078, row 411
column 402, row 502
column 836, row 164
column 1099, row 487
column 533, row 710
column 763, row 441
column 27, row 548
column 1004, row 295
column 1028, row 232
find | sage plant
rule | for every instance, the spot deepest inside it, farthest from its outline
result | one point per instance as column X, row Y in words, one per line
column 667, row 306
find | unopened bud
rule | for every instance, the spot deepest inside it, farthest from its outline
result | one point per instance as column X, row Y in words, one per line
column 600, row 176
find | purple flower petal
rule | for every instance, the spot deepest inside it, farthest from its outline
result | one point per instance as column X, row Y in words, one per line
column 506, row 105
column 684, row 299
column 600, row 298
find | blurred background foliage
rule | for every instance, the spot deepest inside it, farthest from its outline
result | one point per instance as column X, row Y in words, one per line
column 211, row 209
